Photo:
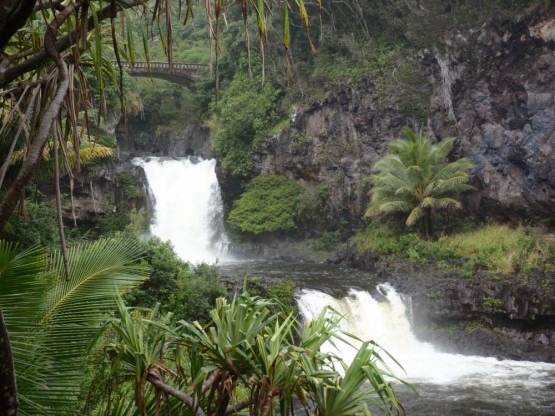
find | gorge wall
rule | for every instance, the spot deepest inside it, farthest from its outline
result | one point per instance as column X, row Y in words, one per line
column 492, row 88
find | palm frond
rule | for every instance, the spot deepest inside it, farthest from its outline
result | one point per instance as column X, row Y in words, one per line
column 71, row 311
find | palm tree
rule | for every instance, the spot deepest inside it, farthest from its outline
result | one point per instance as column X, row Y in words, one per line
column 51, row 321
column 417, row 179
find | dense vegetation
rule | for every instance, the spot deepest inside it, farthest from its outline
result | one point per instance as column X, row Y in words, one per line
column 247, row 112
column 248, row 357
column 269, row 204
column 481, row 250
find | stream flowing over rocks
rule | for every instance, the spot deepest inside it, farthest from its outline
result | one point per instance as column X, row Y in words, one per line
column 493, row 89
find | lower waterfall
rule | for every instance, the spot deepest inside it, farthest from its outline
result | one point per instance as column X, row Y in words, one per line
column 487, row 382
column 187, row 206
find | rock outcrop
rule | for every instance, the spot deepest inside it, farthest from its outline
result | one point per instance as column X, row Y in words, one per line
column 503, row 112
column 493, row 89
column 504, row 316
column 100, row 190
column 136, row 137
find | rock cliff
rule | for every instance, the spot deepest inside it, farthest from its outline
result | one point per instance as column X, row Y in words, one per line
column 492, row 88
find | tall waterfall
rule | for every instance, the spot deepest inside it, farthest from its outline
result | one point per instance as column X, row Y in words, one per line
column 187, row 206
column 386, row 321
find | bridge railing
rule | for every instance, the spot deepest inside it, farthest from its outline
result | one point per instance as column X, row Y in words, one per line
column 174, row 66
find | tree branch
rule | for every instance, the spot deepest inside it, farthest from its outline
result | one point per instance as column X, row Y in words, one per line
column 11, row 198
column 17, row 14
column 234, row 408
column 65, row 42
column 179, row 395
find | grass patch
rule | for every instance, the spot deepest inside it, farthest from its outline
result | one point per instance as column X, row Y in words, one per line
column 501, row 248
column 492, row 247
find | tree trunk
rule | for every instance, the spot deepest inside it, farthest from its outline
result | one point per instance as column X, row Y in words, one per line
column 428, row 223
column 8, row 387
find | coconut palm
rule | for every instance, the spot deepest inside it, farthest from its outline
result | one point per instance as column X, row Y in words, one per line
column 51, row 321
column 248, row 357
column 417, row 179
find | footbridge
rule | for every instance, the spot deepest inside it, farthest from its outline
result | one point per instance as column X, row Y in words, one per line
column 180, row 73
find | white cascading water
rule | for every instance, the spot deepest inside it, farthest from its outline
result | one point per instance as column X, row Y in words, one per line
column 387, row 323
column 187, row 206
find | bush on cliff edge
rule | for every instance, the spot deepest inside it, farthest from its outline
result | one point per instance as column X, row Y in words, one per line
column 269, row 204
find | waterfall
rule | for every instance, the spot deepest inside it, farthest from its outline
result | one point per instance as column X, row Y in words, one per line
column 448, row 77
column 385, row 319
column 187, row 206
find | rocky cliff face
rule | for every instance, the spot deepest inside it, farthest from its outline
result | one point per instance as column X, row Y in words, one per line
column 512, row 317
column 139, row 138
column 493, row 89
column 502, row 83
column 334, row 143
column 100, row 190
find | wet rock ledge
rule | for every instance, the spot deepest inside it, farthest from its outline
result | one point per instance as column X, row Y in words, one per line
column 505, row 316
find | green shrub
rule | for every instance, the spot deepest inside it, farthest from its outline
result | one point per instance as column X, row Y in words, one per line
column 247, row 112
column 491, row 302
column 189, row 292
column 113, row 222
column 327, row 241
column 196, row 294
column 42, row 227
column 501, row 248
column 165, row 271
column 131, row 188
column 491, row 247
column 269, row 204
column 284, row 292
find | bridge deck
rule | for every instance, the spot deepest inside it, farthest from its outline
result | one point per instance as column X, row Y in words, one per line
column 170, row 67
column 178, row 72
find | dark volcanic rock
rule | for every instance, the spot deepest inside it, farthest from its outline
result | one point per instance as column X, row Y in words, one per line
column 493, row 90
column 502, row 99
column 138, row 138
column 507, row 317
column 334, row 143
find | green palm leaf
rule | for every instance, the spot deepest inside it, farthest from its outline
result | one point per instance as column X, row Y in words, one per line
column 72, row 311
column 52, row 321
column 23, row 282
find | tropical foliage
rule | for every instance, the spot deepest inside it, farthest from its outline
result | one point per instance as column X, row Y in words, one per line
column 188, row 291
column 55, row 53
column 51, row 320
column 247, row 111
column 415, row 178
column 247, row 358
column 269, row 204
column 483, row 249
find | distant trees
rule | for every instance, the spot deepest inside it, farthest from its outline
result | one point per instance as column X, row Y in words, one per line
column 55, row 62
column 415, row 178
